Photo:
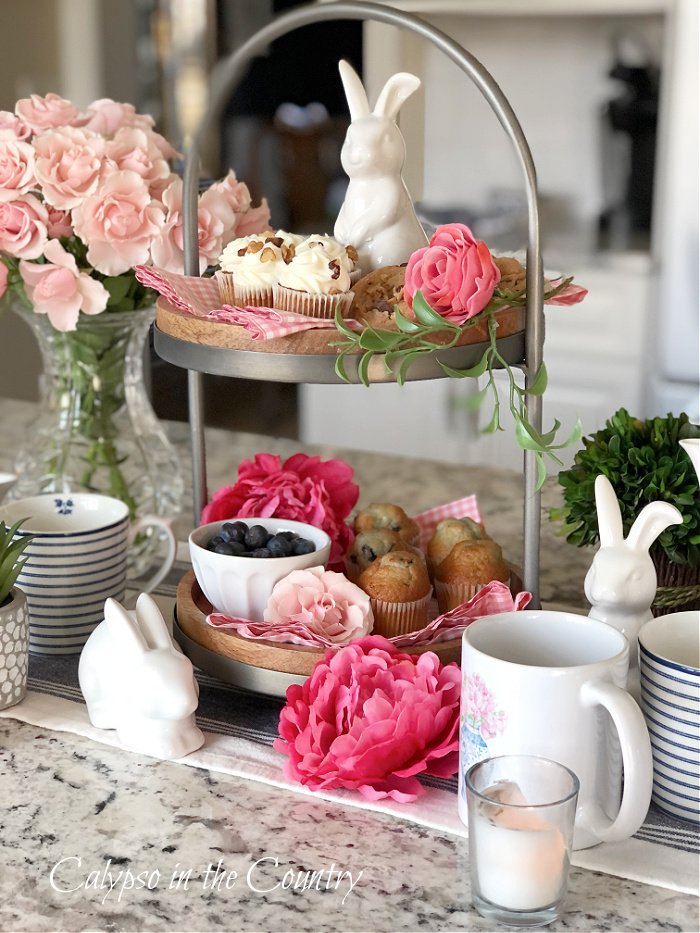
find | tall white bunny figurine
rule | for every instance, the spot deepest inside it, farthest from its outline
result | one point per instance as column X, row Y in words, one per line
column 621, row 582
column 377, row 215
column 137, row 681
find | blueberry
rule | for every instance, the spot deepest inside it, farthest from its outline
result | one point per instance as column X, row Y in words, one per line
column 214, row 542
column 302, row 546
column 261, row 552
column 238, row 548
column 235, row 531
column 256, row 537
column 287, row 535
column 225, row 548
column 279, row 546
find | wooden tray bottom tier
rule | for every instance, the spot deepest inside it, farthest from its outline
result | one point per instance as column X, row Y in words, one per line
column 193, row 609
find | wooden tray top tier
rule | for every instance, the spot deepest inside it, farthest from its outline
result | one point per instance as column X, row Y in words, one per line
column 193, row 609
column 201, row 330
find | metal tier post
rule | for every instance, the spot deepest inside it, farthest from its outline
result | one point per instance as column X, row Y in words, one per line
column 225, row 78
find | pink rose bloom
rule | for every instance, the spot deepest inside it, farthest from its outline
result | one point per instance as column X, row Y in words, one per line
column 455, row 273
column 68, row 165
column 327, row 602
column 304, row 489
column 215, row 219
column 58, row 289
column 133, row 149
column 235, row 192
column 46, row 113
column 58, row 223
column 12, row 126
column 370, row 719
column 3, row 278
column 16, row 168
column 255, row 220
column 23, row 232
column 106, row 116
column 118, row 223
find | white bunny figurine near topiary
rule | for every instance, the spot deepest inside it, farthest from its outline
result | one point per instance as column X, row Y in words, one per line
column 136, row 680
column 621, row 582
column 377, row 215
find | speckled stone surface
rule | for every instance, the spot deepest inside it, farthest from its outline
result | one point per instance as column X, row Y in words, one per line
column 65, row 799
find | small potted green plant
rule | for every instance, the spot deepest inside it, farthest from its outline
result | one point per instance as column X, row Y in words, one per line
column 14, row 618
column 644, row 462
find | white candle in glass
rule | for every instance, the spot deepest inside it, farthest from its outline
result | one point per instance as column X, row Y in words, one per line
column 521, row 859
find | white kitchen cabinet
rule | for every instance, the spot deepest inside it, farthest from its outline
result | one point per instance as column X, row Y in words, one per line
column 594, row 355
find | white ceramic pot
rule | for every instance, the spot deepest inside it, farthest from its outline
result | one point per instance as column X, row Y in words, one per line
column 240, row 586
column 14, row 649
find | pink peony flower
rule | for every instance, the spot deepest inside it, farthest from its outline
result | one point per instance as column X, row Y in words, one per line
column 304, row 489
column 455, row 273
column 370, row 718
column 327, row 602
column 58, row 289
column 12, row 126
column 16, row 168
column 69, row 163
column 234, row 192
column 3, row 278
column 215, row 222
column 118, row 223
column 46, row 113
column 23, row 230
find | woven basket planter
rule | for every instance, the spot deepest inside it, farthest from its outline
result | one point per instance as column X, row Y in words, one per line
column 678, row 585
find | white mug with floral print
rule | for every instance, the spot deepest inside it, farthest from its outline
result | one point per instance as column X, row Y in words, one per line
column 552, row 684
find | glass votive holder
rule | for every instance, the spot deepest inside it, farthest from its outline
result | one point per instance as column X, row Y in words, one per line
column 521, row 812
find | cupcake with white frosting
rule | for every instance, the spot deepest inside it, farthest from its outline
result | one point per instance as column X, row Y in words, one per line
column 317, row 279
column 249, row 269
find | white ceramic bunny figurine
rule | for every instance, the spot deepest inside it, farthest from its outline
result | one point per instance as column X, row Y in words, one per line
column 137, row 681
column 377, row 215
column 621, row 582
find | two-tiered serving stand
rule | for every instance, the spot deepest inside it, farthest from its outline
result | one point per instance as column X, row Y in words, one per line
column 523, row 349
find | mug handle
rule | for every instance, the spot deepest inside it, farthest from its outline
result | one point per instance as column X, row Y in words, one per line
column 147, row 521
column 636, row 760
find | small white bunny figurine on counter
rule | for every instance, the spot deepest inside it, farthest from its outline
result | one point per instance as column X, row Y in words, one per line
column 137, row 681
column 621, row 582
column 377, row 215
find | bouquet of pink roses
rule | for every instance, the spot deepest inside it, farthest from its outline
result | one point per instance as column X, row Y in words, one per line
column 85, row 197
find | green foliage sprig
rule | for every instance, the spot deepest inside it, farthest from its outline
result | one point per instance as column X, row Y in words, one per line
column 644, row 462
column 10, row 553
column 416, row 338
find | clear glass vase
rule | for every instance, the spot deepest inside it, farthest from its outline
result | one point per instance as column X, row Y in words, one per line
column 96, row 430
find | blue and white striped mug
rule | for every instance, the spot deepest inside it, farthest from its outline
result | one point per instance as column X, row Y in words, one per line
column 76, row 559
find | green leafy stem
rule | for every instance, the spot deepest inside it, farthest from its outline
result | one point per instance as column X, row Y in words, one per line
column 416, row 338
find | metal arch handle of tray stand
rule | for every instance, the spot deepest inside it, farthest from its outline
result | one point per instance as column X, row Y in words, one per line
column 225, row 78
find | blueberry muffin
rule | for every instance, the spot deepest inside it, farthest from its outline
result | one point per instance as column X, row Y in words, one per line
column 386, row 515
column 468, row 567
column 399, row 589
column 450, row 532
column 367, row 547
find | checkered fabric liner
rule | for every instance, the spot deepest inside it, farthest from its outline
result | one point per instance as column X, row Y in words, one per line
column 200, row 297
column 461, row 508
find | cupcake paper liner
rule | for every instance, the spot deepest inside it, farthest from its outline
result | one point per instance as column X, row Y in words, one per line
column 392, row 618
column 316, row 306
column 451, row 595
column 243, row 296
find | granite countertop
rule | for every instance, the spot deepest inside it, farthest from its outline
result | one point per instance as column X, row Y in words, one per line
column 66, row 798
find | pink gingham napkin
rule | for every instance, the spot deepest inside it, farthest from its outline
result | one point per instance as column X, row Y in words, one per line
column 200, row 297
column 461, row 508
column 494, row 597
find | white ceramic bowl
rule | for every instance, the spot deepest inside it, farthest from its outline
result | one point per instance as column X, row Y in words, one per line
column 669, row 663
column 241, row 586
